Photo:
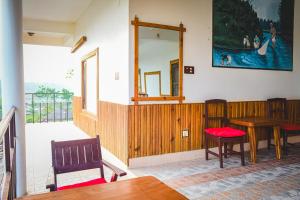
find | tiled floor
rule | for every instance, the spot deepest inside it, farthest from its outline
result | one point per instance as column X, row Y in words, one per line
column 200, row 179
column 196, row 179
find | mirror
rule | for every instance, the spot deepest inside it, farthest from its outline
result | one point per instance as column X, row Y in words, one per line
column 157, row 49
column 174, row 77
column 158, row 62
column 90, row 83
column 152, row 83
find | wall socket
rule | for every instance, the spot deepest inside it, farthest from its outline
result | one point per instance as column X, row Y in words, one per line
column 185, row 133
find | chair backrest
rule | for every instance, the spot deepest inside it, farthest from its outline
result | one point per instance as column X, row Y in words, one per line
column 216, row 113
column 277, row 108
column 76, row 155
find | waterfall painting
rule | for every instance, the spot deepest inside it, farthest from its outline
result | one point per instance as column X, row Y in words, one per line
column 253, row 34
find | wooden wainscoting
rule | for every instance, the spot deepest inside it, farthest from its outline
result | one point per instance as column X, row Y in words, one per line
column 113, row 128
column 84, row 121
column 157, row 129
column 131, row 131
column 111, row 125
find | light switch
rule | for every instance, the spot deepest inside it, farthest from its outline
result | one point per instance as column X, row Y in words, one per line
column 117, row 76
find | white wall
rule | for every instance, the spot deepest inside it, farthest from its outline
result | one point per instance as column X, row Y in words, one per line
column 208, row 82
column 106, row 25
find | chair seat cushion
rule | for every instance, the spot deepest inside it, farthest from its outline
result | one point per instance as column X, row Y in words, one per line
column 290, row 127
column 87, row 183
column 225, row 132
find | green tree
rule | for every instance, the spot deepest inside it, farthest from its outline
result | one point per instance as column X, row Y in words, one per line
column 232, row 21
column 66, row 95
column 45, row 91
column 286, row 13
column 44, row 98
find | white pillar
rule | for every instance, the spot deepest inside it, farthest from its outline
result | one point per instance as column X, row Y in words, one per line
column 12, row 74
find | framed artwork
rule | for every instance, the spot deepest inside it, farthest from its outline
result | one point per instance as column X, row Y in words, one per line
column 253, row 34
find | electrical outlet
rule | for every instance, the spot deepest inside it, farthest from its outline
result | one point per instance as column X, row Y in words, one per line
column 189, row 69
column 185, row 133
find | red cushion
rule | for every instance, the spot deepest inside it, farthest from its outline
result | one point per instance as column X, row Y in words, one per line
column 291, row 127
column 225, row 132
column 87, row 183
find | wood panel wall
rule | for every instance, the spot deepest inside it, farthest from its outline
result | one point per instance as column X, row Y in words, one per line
column 113, row 128
column 111, row 124
column 157, row 129
column 131, row 131
column 84, row 121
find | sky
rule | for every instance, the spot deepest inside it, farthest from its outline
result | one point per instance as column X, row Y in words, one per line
column 266, row 9
column 47, row 64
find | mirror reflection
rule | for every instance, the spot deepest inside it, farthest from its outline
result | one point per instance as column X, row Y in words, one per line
column 158, row 62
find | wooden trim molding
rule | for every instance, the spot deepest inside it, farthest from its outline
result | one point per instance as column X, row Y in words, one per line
column 78, row 44
column 153, row 25
column 136, row 23
column 83, row 60
column 162, row 98
column 136, row 59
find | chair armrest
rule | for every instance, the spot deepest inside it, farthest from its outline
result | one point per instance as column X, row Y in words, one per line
column 113, row 168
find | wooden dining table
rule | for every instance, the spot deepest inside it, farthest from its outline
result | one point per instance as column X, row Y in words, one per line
column 251, row 124
column 145, row 188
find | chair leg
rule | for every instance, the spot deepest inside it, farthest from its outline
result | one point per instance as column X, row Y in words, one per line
column 225, row 150
column 206, row 147
column 269, row 140
column 285, row 137
column 220, row 154
column 242, row 153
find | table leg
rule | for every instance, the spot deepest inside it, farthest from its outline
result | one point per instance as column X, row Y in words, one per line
column 276, row 130
column 252, row 142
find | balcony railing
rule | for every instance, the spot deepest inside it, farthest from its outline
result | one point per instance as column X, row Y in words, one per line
column 48, row 107
column 8, row 156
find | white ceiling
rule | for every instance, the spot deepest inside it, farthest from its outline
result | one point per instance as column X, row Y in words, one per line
column 55, row 10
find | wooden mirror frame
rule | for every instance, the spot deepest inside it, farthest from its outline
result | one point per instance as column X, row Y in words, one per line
column 136, row 23
column 84, row 59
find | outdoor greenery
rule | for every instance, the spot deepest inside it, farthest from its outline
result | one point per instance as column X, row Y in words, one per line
column 233, row 20
column 47, row 92
column 47, row 101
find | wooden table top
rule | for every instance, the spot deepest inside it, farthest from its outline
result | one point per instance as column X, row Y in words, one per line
column 256, row 122
column 145, row 188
